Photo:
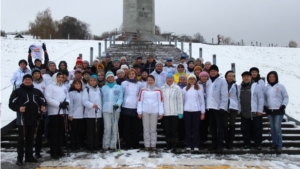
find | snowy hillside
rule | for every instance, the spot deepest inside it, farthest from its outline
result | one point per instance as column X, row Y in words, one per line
column 284, row 60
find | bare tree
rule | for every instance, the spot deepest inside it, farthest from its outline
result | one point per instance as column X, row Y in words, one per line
column 199, row 38
column 293, row 44
column 3, row 34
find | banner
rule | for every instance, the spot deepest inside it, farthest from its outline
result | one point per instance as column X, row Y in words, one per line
column 36, row 51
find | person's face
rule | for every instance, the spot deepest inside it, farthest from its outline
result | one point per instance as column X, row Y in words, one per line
column 60, row 78
column 182, row 81
column 138, row 70
column 95, row 63
column 125, row 70
column 79, row 66
column 170, row 81
column 192, row 81
column 213, row 73
column 27, row 82
column 230, row 77
column 78, row 75
column 116, row 64
column 150, row 81
column 197, row 72
column 191, row 65
column 22, row 65
column 62, row 66
column 52, row 67
column 169, row 63
column 182, row 60
column 254, row 74
column 144, row 75
column 140, row 61
column 77, row 86
column 180, row 69
column 100, row 76
column 246, row 78
column 159, row 68
column 37, row 75
column 85, row 65
column 150, row 59
column 198, row 63
column 92, row 82
column 110, row 79
column 272, row 78
column 38, row 63
column 131, row 75
column 123, row 61
column 207, row 66
column 121, row 75
column 86, row 76
column 65, row 77
column 203, row 79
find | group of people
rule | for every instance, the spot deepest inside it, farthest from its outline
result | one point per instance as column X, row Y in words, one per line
column 110, row 101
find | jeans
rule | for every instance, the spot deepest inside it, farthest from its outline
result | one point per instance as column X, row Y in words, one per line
column 276, row 133
column 257, row 128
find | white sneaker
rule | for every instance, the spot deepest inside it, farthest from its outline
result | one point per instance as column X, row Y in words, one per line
column 196, row 149
column 188, row 149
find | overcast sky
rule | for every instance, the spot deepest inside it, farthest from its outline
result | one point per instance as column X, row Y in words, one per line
column 265, row 21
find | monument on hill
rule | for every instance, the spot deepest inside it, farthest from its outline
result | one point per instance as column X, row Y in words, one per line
column 139, row 17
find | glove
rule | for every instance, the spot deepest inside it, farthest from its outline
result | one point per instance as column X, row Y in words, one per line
column 115, row 107
column 180, row 116
column 63, row 105
column 282, row 107
column 29, row 51
column 44, row 47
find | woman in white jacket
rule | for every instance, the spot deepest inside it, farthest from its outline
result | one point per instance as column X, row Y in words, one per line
column 173, row 110
column 92, row 102
column 276, row 100
column 57, row 98
column 76, row 114
column 233, row 109
column 150, row 107
column 194, row 110
column 131, row 123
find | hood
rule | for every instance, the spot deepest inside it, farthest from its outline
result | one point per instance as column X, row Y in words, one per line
column 276, row 76
column 172, row 85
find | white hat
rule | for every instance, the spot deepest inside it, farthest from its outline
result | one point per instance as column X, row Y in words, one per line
column 159, row 63
column 120, row 70
column 124, row 67
column 123, row 58
column 191, row 76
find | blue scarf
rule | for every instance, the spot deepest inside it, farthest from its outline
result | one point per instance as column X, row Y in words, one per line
column 132, row 80
column 181, row 85
column 111, row 85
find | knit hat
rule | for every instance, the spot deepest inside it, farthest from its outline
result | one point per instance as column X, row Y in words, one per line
column 254, row 69
column 246, row 73
column 50, row 63
column 107, row 55
column 78, row 70
column 226, row 74
column 37, row 60
column 86, row 62
column 182, row 76
column 159, row 63
column 94, row 77
column 198, row 68
column 86, row 71
column 23, row 61
column 27, row 76
column 116, row 60
column 124, row 67
column 208, row 62
column 108, row 74
column 169, row 59
column 183, row 56
column 120, row 70
column 100, row 66
column 79, row 61
column 191, row 76
column 123, row 58
column 214, row 67
column 190, row 61
column 35, row 70
column 139, row 57
column 204, row 74
column 170, row 74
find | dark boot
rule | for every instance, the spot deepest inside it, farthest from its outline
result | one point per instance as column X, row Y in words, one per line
column 169, row 144
column 30, row 159
column 19, row 162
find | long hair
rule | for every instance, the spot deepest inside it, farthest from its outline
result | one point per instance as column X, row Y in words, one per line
column 74, row 82
column 196, row 86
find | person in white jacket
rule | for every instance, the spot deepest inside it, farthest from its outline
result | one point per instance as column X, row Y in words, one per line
column 169, row 66
column 150, row 108
column 217, row 103
column 16, row 79
column 276, row 100
column 190, row 67
column 194, row 111
column 92, row 102
column 76, row 114
column 159, row 75
column 251, row 107
column 58, row 101
column 50, row 71
column 233, row 109
column 173, row 110
column 131, row 123
column 256, row 78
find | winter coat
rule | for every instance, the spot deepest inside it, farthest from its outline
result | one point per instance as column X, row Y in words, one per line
column 110, row 97
column 217, row 94
column 187, row 71
column 234, row 98
column 150, row 67
column 29, row 97
column 131, row 93
column 39, row 84
column 76, row 106
column 275, row 96
column 193, row 100
column 48, row 77
column 91, row 96
column 201, row 84
column 17, row 77
column 171, row 69
column 160, row 78
column 43, row 66
column 150, row 101
column 173, row 103
column 257, row 101
column 55, row 94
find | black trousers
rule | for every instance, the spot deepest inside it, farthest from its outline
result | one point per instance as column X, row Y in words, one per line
column 204, row 125
column 191, row 123
column 76, row 127
column 131, row 126
column 216, row 125
column 93, row 131
column 171, row 129
column 57, row 128
column 39, row 135
column 181, row 130
column 229, row 125
column 257, row 128
column 26, row 141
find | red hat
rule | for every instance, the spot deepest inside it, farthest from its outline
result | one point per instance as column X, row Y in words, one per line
column 79, row 61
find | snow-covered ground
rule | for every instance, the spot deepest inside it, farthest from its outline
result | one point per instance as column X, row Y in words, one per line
column 286, row 61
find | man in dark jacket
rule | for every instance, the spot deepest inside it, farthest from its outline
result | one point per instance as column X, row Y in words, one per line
column 150, row 64
column 37, row 62
column 26, row 101
column 110, row 64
